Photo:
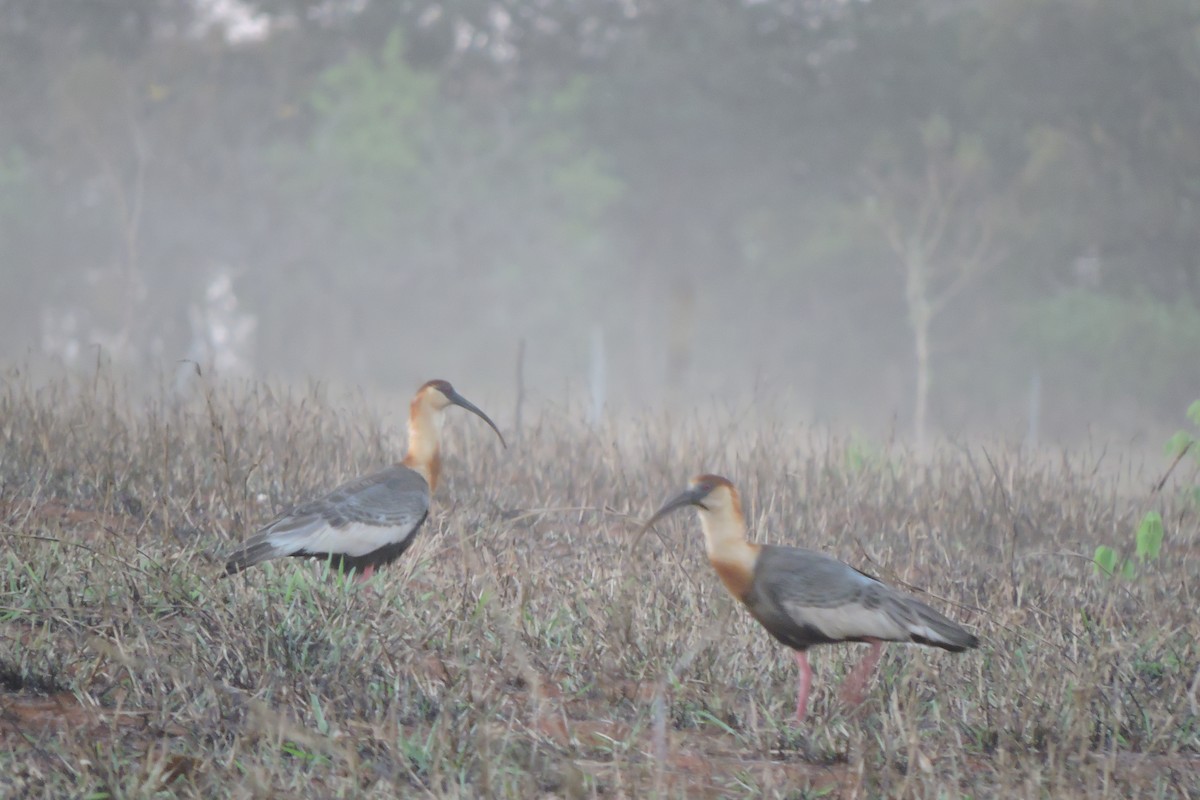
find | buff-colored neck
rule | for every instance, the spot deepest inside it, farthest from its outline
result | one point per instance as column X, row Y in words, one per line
column 424, row 440
column 725, row 539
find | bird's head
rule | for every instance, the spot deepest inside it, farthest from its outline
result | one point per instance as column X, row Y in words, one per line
column 438, row 395
column 713, row 496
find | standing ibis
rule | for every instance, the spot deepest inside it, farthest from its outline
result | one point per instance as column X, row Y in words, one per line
column 371, row 520
column 805, row 598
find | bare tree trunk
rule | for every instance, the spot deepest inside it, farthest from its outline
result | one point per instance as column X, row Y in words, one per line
column 520, row 388
column 921, row 410
column 598, row 381
column 920, row 317
column 942, row 245
column 680, row 338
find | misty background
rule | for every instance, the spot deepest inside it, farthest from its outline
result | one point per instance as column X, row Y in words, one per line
column 940, row 216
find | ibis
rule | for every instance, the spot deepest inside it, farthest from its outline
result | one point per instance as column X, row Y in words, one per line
column 371, row 520
column 805, row 598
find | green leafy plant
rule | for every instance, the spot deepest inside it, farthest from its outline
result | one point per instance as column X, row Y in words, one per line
column 1149, row 536
column 1106, row 563
column 1147, row 543
column 1187, row 441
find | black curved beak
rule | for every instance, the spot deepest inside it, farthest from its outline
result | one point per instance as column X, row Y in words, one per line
column 688, row 497
column 462, row 402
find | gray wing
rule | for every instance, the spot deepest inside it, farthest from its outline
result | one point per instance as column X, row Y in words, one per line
column 359, row 517
column 393, row 496
column 814, row 598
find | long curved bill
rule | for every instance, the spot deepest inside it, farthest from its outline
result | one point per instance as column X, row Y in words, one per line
column 687, row 497
column 462, row 402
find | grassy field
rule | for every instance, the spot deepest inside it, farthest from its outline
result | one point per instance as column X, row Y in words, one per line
column 518, row 649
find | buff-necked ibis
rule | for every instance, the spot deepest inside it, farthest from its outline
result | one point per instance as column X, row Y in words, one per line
column 369, row 521
column 805, row 598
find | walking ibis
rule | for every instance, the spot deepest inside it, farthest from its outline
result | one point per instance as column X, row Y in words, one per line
column 805, row 598
column 371, row 520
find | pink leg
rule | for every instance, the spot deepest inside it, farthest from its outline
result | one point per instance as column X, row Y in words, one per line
column 366, row 574
column 855, row 682
column 804, row 685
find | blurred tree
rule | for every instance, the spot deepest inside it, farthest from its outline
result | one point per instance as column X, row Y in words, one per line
column 1089, row 98
column 702, row 106
column 1126, row 352
column 942, row 215
column 512, row 153
column 490, row 198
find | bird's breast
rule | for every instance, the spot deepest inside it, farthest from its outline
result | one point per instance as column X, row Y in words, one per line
column 737, row 573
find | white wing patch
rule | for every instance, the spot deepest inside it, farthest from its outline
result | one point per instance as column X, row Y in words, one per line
column 353, row 539
column 851, row 622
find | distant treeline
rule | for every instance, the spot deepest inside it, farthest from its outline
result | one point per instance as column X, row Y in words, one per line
column 940, row 211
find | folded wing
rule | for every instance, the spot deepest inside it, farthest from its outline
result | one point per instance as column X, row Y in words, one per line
column 812, row 598
column 370, row 519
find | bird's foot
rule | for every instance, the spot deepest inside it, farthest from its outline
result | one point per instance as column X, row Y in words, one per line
column 853, row 689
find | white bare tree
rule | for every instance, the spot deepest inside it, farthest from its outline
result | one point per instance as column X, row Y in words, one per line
column 941, row 221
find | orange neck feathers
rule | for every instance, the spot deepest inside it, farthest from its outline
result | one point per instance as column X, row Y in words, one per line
column 725, row 539
column 424, row 439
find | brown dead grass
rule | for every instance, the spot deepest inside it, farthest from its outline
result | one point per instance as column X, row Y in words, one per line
column 519, row 650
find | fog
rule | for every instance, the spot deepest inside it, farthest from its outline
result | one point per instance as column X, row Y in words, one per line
column 934, row 219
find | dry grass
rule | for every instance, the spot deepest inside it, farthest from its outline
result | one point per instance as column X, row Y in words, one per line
column 517, row 651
